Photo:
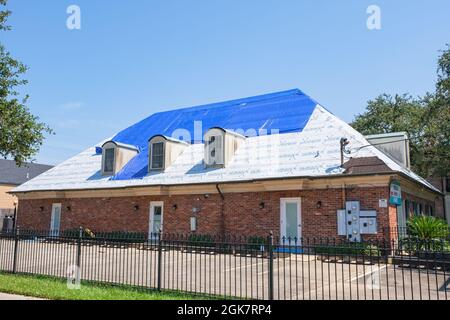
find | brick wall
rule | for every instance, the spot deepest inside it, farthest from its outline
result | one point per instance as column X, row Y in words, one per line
column 242, row 214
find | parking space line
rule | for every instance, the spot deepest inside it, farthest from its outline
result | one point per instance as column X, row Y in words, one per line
column 368, row 273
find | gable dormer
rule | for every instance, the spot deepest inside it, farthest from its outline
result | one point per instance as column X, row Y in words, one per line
column 220, row 147
column 162, row 152
column 115, row 156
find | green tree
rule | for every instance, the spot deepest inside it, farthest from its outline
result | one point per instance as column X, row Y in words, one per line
column 425, row 119
column 21, row 133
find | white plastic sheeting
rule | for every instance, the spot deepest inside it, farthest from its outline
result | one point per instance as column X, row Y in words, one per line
column 313, row 152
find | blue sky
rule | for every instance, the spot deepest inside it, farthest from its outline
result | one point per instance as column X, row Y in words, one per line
column 131, row 59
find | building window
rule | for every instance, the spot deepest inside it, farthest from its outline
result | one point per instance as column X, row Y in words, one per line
column 157, row 156
column 109, row 161
column 415, row 209
column 407, row 209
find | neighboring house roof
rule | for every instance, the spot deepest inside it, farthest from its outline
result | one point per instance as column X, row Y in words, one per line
column 307, row 145
column 366, row 165
column 10, row 173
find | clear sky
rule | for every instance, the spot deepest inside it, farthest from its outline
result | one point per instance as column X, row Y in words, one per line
column 133, row 58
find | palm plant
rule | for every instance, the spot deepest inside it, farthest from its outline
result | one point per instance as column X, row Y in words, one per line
column 428, row 228
column 426, row 235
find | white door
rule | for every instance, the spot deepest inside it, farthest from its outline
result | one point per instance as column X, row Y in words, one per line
column 290, row 220
column 156, row 218
column 55, row 221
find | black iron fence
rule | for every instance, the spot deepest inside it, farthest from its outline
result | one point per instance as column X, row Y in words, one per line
column 247, row 267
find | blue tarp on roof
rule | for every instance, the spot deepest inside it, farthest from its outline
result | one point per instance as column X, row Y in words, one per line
column 287, row 111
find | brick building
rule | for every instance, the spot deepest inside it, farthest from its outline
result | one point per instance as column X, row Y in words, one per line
column 12, row 176
column 278, row 162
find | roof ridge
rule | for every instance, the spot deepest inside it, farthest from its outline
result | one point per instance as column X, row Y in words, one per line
column 250, row 99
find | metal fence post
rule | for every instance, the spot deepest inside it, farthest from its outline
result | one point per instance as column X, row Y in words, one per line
column 270, row 249
column 16, row 249
column 80, row 238
column 159, row 258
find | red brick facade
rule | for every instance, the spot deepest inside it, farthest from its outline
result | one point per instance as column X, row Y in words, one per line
column 237, row 213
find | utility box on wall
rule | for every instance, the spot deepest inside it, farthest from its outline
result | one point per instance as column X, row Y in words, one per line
column 368, row 222
column 354, row 222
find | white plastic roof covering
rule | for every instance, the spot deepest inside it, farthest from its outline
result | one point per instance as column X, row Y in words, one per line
column 313, row 152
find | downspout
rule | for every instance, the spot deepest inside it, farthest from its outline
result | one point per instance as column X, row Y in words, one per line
column 222, row 213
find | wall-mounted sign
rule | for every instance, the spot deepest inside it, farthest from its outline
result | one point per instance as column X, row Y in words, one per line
column 395, row 193
column 382, row 203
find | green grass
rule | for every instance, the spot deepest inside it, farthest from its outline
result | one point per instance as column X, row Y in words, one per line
column 56, row 289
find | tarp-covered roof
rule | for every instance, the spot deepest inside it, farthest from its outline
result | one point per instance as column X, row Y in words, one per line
column 308, row 145
column 286, row 111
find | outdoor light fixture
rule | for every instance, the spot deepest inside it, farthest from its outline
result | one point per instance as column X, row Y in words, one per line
column 41, row 208
column 136, row 208
column 262, row 205
column 206, row 195
column 174, row 207
column 319, row 204
column 69, row 208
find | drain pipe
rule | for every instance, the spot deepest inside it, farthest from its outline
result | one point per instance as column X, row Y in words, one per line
column 222, row 214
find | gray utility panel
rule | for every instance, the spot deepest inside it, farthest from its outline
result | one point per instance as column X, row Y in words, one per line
column 354, row 222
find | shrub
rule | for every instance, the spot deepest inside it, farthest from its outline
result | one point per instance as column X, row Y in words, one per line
column 349, row 248
column 201, row 240
column 256, row 243
column 75, row 233
column 122, row 236
column 427, row 228
column 425, row 235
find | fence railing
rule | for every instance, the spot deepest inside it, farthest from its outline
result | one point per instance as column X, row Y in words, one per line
column 247, row 267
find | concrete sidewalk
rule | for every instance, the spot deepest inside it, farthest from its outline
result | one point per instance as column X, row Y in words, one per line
column 7, row 296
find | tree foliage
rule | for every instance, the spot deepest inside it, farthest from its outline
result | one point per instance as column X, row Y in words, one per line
column 21, row 133
column 425, row 119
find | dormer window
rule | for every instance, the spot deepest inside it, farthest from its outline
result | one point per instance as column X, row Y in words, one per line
column 163, row 151
column 157, row 156
column 115, row 156
column 108, row 161
column 214, row 154
column 220, row 146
